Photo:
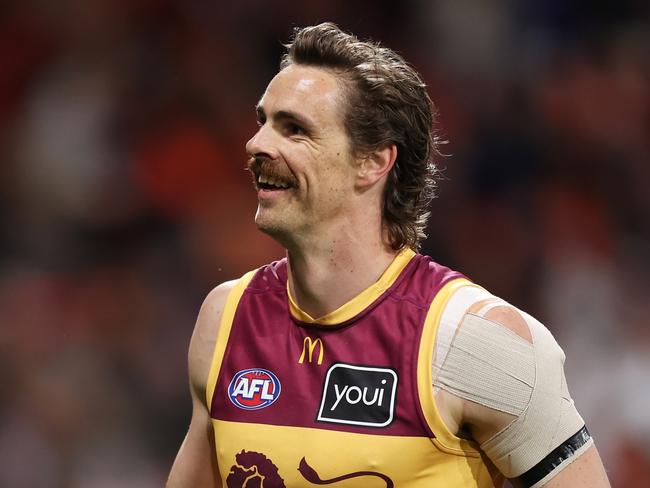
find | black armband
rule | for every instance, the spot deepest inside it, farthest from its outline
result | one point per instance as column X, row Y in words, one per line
column 550, row 463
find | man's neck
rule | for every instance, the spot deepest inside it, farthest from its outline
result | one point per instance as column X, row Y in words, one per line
column 326, row 276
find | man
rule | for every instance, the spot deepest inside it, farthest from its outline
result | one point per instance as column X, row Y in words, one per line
column 356, row 361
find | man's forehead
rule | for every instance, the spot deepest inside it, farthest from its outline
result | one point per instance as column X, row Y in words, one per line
column 303, row 88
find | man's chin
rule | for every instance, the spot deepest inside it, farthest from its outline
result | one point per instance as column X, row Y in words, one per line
column 281, row 225
column 282, row 233
column 272, row 228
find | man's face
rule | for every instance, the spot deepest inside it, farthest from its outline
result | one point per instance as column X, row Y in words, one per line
column 301, row 157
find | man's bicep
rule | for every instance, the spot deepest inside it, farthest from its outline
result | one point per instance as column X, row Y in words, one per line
column 586, row 471
column 195, row 463
column 516, row 402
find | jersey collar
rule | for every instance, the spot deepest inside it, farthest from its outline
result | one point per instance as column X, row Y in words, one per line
column 360, row 302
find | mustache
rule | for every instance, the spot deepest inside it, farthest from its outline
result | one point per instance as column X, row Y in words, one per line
column 254, row 163
column 263, row 165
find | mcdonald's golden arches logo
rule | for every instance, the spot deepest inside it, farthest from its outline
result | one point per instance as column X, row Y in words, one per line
column 308, row 347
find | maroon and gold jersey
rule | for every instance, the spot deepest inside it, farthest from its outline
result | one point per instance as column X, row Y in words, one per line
column 345, row 399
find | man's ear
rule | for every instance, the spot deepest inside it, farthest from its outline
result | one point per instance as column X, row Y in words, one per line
column 375, row 165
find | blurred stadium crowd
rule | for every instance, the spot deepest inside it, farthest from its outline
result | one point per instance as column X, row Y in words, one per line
column 124, row 200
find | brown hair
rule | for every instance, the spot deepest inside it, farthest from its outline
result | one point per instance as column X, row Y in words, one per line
column 387, row 103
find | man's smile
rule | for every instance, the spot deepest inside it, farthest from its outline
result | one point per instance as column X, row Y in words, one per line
column 267, row 175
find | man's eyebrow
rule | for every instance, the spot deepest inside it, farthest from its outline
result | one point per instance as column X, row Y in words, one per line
column 286, row 115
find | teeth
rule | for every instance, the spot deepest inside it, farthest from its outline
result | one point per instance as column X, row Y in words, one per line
column 263, row 179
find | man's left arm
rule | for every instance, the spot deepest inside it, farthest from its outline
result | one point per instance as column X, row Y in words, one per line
column 587, row 471
column 572, row 459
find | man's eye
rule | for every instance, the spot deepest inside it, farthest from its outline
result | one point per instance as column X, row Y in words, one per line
column 294, row 130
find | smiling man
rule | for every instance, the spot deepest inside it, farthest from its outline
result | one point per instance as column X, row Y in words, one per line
column 355, row 361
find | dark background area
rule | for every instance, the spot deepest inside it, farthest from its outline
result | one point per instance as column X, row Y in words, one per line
column 124, row 200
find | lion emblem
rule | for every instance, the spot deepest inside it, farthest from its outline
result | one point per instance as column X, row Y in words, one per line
column 253, row 470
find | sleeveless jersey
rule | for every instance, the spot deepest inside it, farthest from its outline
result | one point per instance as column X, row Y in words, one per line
column 344, row 400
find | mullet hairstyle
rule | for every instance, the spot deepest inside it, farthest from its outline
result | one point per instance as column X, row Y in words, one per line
column 387, row 103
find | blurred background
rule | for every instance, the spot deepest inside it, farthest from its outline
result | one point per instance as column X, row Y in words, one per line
column 123, row 201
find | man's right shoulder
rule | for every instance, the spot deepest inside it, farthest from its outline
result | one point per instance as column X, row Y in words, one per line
column 215, row 301
column 205, row 333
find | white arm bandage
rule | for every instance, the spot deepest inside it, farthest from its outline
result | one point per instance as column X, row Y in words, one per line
column 491, row 365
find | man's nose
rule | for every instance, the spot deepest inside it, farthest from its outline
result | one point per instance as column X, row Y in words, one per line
column 261, row 144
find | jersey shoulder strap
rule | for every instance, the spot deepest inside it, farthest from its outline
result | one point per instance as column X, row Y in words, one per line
column 227, row 316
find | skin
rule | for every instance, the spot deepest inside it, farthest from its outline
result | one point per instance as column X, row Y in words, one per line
column 330, row 223
column 195, row 463
column 337, row 194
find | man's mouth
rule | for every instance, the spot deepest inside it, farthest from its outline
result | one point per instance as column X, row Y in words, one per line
column 268, row 176
column 270, row 183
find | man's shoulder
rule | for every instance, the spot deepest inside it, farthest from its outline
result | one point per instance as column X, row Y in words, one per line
column 511, row 318
column 211, row 310
column 469, row 298
column 204, row 337
column 216, row 298
column 420, row 277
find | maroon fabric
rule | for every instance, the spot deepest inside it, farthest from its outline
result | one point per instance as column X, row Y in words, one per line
column 386, row 334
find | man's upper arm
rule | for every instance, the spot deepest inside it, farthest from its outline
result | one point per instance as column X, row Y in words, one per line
column 586, row 471
column 195, row 463
column 204, row 337
column 529, row 427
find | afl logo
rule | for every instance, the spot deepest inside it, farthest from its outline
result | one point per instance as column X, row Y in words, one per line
column 252, row 389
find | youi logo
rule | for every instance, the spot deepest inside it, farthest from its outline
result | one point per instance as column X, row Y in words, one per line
column 359, row 395
column 252, row 389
